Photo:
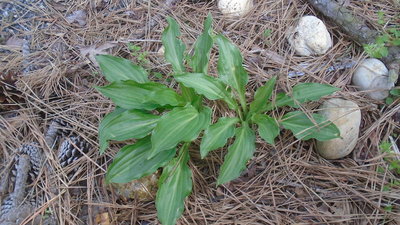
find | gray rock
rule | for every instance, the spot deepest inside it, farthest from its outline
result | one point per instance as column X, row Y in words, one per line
column 370, row 75
column 346, row 115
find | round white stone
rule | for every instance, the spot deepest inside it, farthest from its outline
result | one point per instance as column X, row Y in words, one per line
column 309, row 37
column 346, row 115
column 235, row 7
column 372, row 74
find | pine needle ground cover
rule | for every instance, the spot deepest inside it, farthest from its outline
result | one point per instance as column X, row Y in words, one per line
column 284, row 183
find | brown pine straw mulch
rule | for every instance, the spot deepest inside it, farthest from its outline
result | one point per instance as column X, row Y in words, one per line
column 285, row 184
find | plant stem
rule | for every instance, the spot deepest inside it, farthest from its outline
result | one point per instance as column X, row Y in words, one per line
column 184, row 149
column 242, row 99
column 239, row 111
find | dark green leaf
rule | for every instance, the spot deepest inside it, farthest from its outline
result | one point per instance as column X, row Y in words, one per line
column 230, row 68
column 238, row 154
column 395, row 42
column 133, row 95
column 174, row 53
column 175, row 185
column 174, row 48
column 105, row 122
column 389, row 100
column 126, row 125
column 304, row 128
column 190, row 96
column 395, row 92
column 262, row 97
column 304, row 92
column 131, row 162
column 202, row 48
column 208, row 86
column 217, row 134
column 268, row 127
column 180, row 124
column 382, row 39
column 281, row 99
column 119, row 69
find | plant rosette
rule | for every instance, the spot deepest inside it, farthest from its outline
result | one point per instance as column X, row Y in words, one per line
column 163, row 120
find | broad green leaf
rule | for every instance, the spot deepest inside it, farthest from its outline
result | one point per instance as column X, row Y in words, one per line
column 131, row 162
column 210, row 87
column 126, row 125
column 174, row 48
column 133, row 95
column 175, row 184
column 119, row 69
column 202, row 48
column 281, row 99
column 217, row 134
column 262, row 96
column 304, row 128
column 105, row 122
column 238, row 154
column 268, row 127
column 189, row 95
column 174, row 53
column 180, row 124
column 230, row 68
column 304, row 92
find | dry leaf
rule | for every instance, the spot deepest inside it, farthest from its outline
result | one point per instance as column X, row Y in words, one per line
column 15, row 42
column 103, row 219
column 78, row 16
column 91, row 51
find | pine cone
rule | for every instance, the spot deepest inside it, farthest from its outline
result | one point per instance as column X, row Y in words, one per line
column 71, row 150
column 6, row 206
column 8, row 92
column 35, row 155
column 58, row 128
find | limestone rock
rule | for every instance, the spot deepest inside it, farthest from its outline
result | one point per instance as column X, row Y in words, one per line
column 372, row 74
column 309, row 37
column 346, row 115
column 235, row 7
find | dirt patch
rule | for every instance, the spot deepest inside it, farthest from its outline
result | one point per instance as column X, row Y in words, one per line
column 284, row 184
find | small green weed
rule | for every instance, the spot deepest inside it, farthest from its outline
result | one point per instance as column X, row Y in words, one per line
column 394, row 95
column 267, row 33
column 137, row 52
column 390, row 37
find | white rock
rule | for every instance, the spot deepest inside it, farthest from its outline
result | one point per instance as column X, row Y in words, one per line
column 235, row 7
column 346, row 115
column 309, row 37
column 372, row 74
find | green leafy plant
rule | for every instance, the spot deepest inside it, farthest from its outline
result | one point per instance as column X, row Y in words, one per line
column 267, row 33
column 391, row 159
column 137, row 52
column 394, row 95
column 162, row 119
column 390, row 37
